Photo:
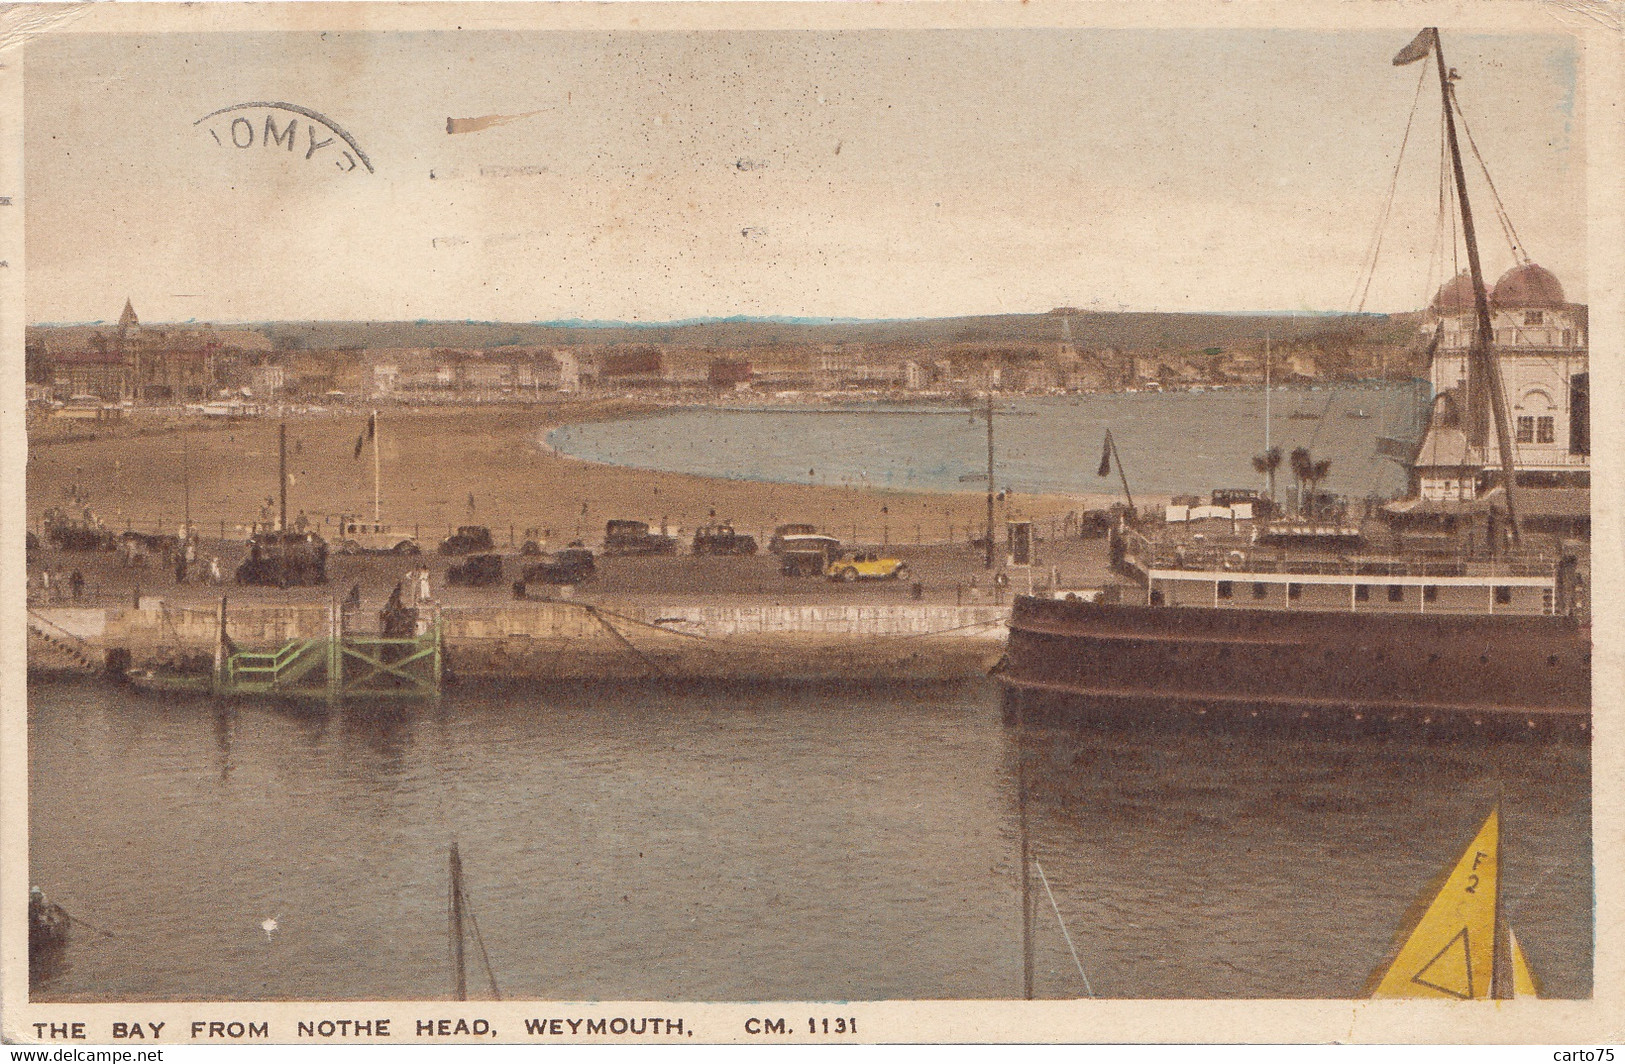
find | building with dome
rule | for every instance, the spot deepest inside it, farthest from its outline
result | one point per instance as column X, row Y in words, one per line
column 1540, row 345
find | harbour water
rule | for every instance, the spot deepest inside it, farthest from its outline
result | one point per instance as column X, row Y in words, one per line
column 635, row 843
column 1170, row 443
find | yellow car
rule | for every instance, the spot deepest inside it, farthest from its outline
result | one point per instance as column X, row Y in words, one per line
column 865, row 565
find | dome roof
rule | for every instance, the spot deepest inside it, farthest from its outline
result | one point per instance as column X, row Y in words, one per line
column 1456, row 297
column 1527, row 286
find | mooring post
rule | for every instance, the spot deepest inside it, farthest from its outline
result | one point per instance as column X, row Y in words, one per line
column 437, row 657
column 335, row 651
column 219, row 647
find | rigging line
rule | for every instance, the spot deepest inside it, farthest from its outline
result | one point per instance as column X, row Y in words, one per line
column 82, row 922
column 1314, row 437
column 479, row 940
column 451, row 921
column 621, row 638
column 1393, row 186
column 1507, row 228
column 1058, row 919
column 1447, row 197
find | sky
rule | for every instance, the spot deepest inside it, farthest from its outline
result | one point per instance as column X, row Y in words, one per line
column 862, row 174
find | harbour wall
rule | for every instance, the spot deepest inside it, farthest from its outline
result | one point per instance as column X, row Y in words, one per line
column 574, row 640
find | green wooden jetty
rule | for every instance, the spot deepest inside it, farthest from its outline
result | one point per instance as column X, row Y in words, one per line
column 336, row 667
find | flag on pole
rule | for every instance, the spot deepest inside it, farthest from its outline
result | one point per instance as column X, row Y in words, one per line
column 372, row 430
column 1417, row 49
column 1105, row 469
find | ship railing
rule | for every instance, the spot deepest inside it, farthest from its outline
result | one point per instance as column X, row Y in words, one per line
column 1223, row 562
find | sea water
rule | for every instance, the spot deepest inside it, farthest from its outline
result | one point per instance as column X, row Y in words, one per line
column 1170, row 443
column 761, row 843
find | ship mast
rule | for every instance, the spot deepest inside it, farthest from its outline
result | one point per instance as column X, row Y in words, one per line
column 1483, row 367
column 459, row 967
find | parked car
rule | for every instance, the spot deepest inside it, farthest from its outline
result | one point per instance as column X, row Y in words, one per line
column 141, row 548
column 775, row 545
column 358, row 536
column 468, row 539
column 865, row 565
column 722, row 539
column 803, row 562
column 69, row 534
column 805, row 541
column 634, row 537
column 477, row 570
column 571, row 565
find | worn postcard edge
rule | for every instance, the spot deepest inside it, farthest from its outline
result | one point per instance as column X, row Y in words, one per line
column 1595, row 25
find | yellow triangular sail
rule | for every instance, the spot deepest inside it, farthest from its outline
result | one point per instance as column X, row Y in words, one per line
column 1451, row 952
column 1523, row 980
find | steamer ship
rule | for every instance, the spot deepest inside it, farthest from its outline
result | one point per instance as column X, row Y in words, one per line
column 1459, row 609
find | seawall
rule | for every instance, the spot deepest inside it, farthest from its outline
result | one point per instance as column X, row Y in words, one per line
column 576, row 640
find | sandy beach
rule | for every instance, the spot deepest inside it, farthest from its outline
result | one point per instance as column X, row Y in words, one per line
column 469, row 465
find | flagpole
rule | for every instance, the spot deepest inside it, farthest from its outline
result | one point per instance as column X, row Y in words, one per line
column 282, row 475
column 372, row 427
column 989, row 563
column 1026, row 848
column 1267, row 404
column 1121, row 475
column 186, row 479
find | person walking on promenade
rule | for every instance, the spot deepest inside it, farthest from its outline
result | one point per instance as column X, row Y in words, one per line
column 77, row 583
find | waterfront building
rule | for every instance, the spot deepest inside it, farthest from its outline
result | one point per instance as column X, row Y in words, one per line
column 1540, row 346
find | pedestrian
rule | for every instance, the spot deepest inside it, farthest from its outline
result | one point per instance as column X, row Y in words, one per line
column 77, row 583
column 214, row 569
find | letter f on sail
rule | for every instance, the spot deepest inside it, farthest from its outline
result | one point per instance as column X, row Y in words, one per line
column 1451, row 951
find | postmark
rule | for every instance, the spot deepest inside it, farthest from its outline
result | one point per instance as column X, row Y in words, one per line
column 285, row 128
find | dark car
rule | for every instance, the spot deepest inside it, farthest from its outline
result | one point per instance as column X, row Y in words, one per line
column 634, row 537
column 78, row 536
column 804, row 561
column 284, row 559
column 722, row 539
column 468, row 539
column 477, row 570
column 776, row 544
column 569, row 566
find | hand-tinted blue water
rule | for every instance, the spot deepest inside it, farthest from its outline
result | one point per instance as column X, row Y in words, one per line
column 758, row 844
column 1183, row 442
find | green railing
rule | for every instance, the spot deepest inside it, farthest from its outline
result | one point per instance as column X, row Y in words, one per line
column 349, row 666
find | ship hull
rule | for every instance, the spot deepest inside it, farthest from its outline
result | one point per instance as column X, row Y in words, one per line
column 1386, row 672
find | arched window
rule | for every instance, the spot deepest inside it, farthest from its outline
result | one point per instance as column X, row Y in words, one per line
column 1536, row 399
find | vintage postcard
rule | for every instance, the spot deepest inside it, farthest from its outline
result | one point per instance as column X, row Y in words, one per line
column 828, row 523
